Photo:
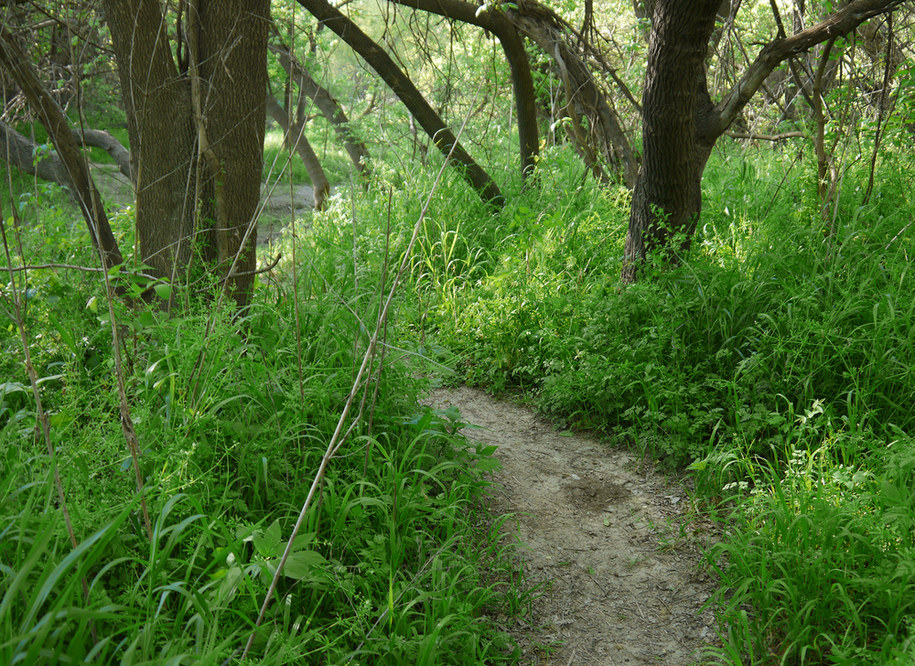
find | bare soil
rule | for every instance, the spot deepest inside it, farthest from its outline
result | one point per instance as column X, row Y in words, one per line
column 614, row 545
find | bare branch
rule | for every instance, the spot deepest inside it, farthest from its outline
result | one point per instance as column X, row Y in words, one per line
column 403, row 87
column 765, row 137
column 772, row 54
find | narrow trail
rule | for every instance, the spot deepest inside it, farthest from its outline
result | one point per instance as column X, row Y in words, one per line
column 612, row 544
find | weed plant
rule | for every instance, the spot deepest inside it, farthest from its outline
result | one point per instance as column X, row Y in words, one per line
column 233, row 415
column 775, row 361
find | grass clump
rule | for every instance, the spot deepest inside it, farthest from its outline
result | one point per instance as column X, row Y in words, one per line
column 233, row 412
column 775, row 362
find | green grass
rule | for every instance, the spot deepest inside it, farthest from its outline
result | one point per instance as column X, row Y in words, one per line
column 395, row 561
column 775, row 362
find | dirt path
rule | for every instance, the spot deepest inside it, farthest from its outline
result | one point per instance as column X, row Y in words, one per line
column 622, row 584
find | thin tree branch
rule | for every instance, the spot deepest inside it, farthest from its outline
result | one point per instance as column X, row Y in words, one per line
column 765, row 137
column 772, row 54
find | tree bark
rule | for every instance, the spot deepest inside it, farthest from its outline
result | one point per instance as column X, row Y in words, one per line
column 161, row 129
column 681, row 123
column 667, row 197
column 403, row 87
column 197, row 157
column 294, row 138
column 233, row 72
column 55, row 122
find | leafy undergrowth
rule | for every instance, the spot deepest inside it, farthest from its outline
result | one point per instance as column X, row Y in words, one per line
column 395, row 560
column 776, row 362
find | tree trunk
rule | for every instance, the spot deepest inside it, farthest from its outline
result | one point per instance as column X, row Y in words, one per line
column 160, row 126
column 667, row 197
column 681, row 124
column 233, row 72
column 196, row 137
column 294, row 139
column 403, row 87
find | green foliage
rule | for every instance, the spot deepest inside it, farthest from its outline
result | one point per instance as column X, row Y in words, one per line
column 775, row 361
column 233, row 412
column 823, row 554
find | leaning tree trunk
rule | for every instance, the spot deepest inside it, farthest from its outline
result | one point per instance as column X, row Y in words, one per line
column 443, row 138
column 14, row 61
column 294, row 138
column 327, row 104
column 668, row 197
column 196, row 131
column 602, row 140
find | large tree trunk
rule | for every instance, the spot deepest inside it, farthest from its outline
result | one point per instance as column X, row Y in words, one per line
column 196, row 132
column 233, row 72
column 681, row 124
column 667, row 197
column 160, row 126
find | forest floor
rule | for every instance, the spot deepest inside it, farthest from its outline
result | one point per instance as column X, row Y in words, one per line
column 613, row 545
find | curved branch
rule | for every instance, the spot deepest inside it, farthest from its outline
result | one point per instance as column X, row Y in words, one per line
column 775, row 52
column 519, row 65
column 403, row 87
column 114, row 148
column 21, row 152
